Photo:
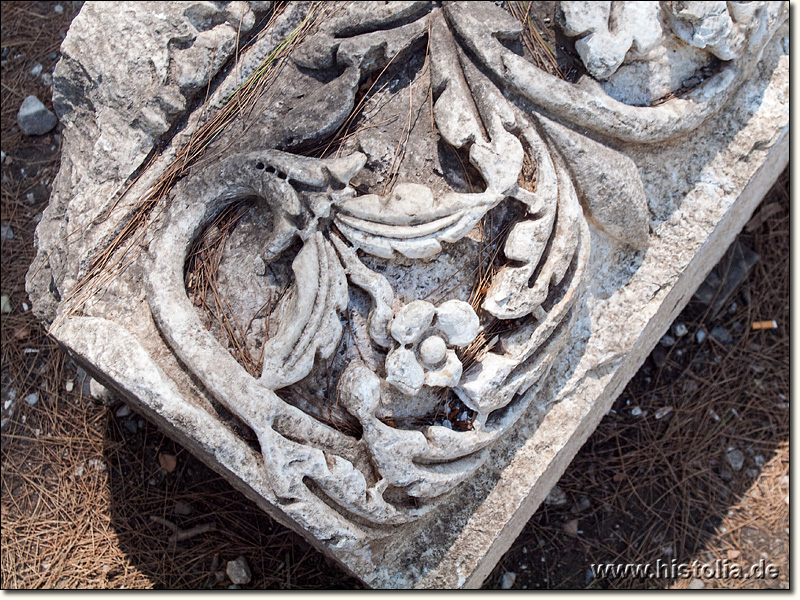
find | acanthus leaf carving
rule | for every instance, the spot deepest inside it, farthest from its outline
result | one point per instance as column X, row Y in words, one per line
column 309, row 324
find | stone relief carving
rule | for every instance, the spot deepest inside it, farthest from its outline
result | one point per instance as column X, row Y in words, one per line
column 431, row 384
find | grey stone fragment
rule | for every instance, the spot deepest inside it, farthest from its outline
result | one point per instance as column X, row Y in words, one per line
column 583, row 504
column 663, row 412
column 667, row 340
column 239, row 571
column 696, row 584
column 679, row 330
column 556, row 497
column 183, row 509
column 722, row 335
column 34, row 118
column 98, row 391
column 735, row 459
column 508, row 580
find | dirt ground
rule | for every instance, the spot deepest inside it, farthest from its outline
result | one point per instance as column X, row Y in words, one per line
column 692, row 464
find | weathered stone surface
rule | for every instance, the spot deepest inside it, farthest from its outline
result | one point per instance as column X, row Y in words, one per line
column 451, row 297
column 33, row 117
column 116, row 93
column 238, row 571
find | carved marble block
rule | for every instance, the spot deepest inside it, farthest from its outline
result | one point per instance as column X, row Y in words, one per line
column 391, row 296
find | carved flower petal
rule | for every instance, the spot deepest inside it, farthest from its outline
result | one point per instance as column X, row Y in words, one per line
column 458, row 322
column 412, row 320
column 447, row 375
column 404, row 372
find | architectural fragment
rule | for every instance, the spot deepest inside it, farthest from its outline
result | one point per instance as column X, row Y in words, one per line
column 460, row 258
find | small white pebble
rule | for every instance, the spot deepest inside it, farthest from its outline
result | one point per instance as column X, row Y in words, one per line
column 25, row 306
column 636, row 411
column 663, row 412
column 508, row 580
column 97, row 464
column 32, row 399
column 70, row 385
column 37, row 70
column 79, row 471
column 679, row 329
column 58, row 9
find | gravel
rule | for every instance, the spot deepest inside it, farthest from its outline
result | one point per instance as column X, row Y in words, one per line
column 735, row 459
column 508, row 580
column 556, row 497
column 34, row 118
column 238, row 571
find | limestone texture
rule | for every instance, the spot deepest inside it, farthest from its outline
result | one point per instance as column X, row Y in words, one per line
column 448, row 262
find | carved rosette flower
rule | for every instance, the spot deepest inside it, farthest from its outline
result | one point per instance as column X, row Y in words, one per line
column 426, row 335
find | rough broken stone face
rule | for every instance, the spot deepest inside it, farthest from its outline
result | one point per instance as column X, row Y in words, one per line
column 444, row 263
